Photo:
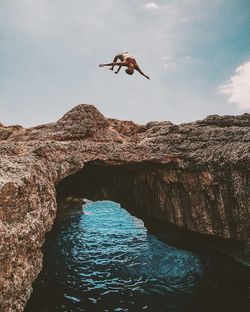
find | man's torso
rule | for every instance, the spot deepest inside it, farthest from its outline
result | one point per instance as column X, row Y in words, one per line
column 128, row 58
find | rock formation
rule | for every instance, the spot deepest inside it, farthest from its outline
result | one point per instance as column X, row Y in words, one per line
column 195, row 176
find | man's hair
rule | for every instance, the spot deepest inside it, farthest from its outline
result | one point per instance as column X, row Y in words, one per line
column 129, row 71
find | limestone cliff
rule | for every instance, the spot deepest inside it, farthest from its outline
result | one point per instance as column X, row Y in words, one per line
column 194, row 175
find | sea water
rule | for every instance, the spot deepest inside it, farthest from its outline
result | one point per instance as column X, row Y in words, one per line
column 105, row 260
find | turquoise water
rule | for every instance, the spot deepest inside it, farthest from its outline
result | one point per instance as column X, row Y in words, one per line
column 105, row 260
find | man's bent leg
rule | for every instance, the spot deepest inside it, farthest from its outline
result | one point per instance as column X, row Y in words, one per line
column 117, row 57
column 109, row 64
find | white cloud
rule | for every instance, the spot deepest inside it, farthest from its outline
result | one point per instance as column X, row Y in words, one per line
column 174, row 64
column 168, row 64
column 238, row 87
column 151, row 6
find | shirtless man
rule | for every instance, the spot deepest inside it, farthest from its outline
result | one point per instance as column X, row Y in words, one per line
column 127, row 60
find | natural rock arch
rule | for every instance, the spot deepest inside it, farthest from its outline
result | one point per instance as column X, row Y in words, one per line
column 183, row 201
column 195, row 176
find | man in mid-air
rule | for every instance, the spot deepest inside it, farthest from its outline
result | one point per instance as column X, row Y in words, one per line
column 127, row 60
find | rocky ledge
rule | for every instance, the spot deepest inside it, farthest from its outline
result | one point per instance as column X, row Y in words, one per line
column 194, row 176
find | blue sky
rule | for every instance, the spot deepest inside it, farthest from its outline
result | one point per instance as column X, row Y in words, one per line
column 196, row 52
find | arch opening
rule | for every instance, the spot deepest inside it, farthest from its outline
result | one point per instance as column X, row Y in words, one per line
column 138, row 188
column 161, row 196
column 130, row 185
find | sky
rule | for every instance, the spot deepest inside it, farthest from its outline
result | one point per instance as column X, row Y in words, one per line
column 196, row 52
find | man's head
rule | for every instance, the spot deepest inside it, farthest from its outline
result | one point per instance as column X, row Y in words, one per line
column 130, row 70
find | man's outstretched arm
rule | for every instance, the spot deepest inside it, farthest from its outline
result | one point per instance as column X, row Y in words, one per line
column 141, row 72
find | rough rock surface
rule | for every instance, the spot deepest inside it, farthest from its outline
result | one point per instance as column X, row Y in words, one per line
column 194, row 175
column 70, row 206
